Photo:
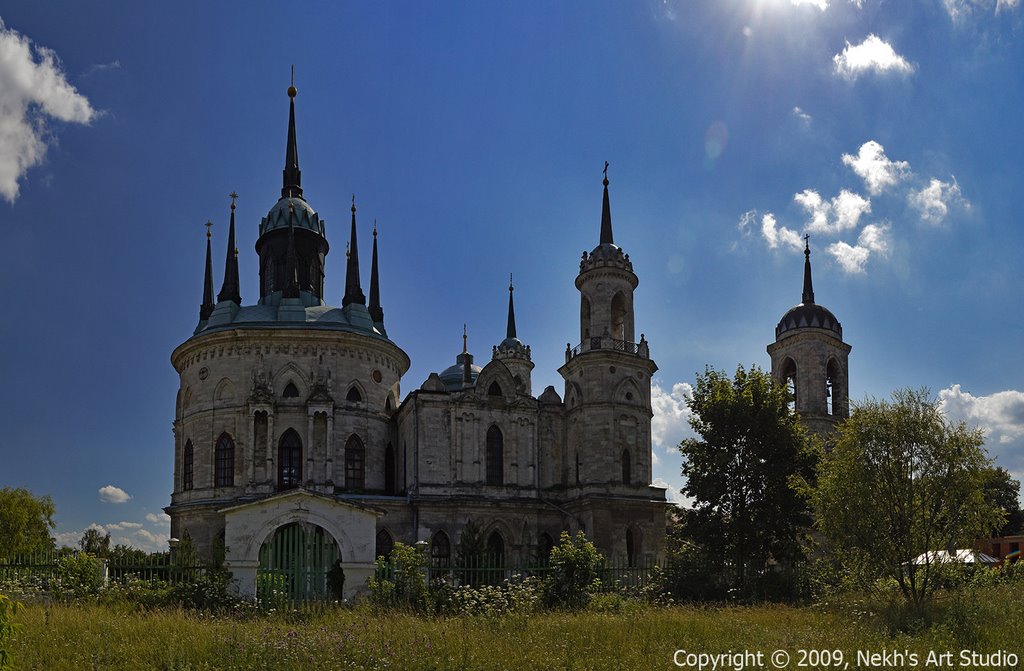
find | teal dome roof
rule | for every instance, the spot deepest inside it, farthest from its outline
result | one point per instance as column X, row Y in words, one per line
column 280, row 216
column 452, row 376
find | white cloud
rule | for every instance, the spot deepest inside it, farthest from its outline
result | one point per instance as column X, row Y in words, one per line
column 32, row 88
column 960, row 10
column 671, row 410
column 841, row 213
column 875, row 168
column 802, row 115
column 158, row 518
column 871, row 55
column 672, row 494
column 122, row 526
column 820, row 4
column 934, row 200
column 775, row 235
column 112, row 494
column 999, row 415
column 873, row 239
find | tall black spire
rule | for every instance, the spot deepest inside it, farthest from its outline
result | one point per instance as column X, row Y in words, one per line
column 291, row 268
column 206, row 309
column 808, row 288
column 292, row 175
column 230, row 291
column 606, row 213
column 353, row 292
column 376, row 311
column 510, row 330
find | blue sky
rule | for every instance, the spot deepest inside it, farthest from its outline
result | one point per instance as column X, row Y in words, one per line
column 475, row 133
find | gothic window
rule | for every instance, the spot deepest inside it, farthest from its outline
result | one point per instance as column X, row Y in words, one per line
column 626, row 465
column 291, row 391
column 355, row 463
column 577, row 468
column 632, row 549
column 224, row 462
column 789, row 379
column 494, row 389
column 495, row 456
column 585, row 317
column 354, row 396
column 385, row 544
column 387, row 405
column 289, row 460
column 389, row 470
column 546, row 545
column 186, row 467
column 831, row 383
column 496, row 549
column 440, row 549
column 618, row 317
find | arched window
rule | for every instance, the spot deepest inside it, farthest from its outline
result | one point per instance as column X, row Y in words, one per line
column 584, row 318
column 353, row 395
column 831, row 384
column 626, row 466
column 789, row 379
column 495, row 456
column 494, row 389
column 290, row 391
column 577, row 468
column 618, row 317
column 387, row 405
column 355, row 463
column 632, row 548
column 389, row 470
column 186, row 467
column 224, row 462
column 496, row 549
column 440, row 549
column 289, row 460
column 385, row 544
column 546, row 545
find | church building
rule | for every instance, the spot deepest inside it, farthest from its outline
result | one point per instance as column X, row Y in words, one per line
column 293, row 444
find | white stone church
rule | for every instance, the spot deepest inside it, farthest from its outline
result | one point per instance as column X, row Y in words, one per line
column 295, row 447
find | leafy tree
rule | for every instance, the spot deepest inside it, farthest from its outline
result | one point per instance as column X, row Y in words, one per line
column 902, row 481
column 1003, row 491
column 95, row 542
column 574, row 573
column 25, row 522
column 747, row 514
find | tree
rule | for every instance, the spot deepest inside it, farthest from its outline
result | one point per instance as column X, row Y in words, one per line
column 1003, row 491
column 95, row 542
column 900, row 482
column 25, row 522
column 747, row 514
column 574, row 575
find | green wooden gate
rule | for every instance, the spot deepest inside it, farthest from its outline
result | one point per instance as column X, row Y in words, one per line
column 294, row 563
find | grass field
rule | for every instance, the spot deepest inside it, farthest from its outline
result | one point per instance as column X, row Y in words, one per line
column 643, row 637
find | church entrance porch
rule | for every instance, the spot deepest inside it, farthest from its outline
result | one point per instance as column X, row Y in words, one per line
column 297, row 564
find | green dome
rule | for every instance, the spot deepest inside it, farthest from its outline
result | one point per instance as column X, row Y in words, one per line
column 280, row 216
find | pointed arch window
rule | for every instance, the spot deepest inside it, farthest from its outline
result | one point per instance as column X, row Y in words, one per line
column 290, row 391
column 494, row 389
column 385, row 544
column 186, row 467
column 355, row 463
column 289, row 460
column 584, row 317
column 546, row 545
column 224, row 462
column 626, row 467
column 632, row 547
column 440, row 549
column 496, row 549
column 618, row 317
column 495, row 456
column 831, row 384
column 389, row 470
column 789, row 379
column 353, row 395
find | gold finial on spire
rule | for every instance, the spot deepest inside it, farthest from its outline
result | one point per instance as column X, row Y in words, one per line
column 233, row 196
column 292, row 91
column 209, row 225
column 464, row 349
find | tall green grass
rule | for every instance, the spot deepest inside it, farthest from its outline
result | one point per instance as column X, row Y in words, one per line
column 638, row 637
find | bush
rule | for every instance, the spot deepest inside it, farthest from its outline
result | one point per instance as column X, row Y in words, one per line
column 8, row 609
column 514, row 596
column 406, row 586
column 77, row 576
column 208, row 592
column 574, row 573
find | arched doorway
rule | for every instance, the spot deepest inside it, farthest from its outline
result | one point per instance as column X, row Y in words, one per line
column 295, row 563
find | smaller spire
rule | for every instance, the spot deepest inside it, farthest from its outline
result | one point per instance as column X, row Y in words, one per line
column 808, row 297
column 291, row 268
column 606, row 213
column 292, row 186
column 230, row 290
column 376, row 311
column 206, row 309
column 467, row 371
column 464, row 336
column 510, row 330
column 353, row 291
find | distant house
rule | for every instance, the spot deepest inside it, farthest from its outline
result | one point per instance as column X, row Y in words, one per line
column 1001, row 547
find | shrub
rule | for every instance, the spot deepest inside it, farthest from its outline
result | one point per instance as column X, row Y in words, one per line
column 8, row 609
column 77, row 576
column 208, row 592
column 573, row 575
column 406, row 586
column 516, row 595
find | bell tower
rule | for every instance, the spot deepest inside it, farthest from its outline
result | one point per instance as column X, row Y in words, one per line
column 608, row 374
column 810, row 357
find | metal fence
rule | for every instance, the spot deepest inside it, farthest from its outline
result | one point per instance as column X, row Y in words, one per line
column 43, row 567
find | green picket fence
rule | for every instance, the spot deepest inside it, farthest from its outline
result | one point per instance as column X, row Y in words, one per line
column 42, row 567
